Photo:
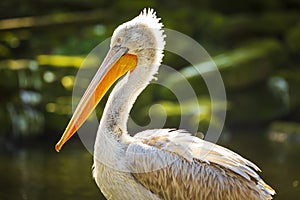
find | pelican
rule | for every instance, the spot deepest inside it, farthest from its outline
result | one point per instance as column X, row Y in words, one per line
column 159, row 163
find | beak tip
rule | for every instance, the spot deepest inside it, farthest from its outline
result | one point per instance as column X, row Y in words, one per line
column 57, row 147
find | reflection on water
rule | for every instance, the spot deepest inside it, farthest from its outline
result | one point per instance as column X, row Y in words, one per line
column 41, row 173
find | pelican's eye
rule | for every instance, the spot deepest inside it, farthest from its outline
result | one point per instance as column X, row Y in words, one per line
column 118, row 41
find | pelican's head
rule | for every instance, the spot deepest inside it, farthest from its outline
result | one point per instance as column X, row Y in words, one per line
column 142, row 36
column 136, row 46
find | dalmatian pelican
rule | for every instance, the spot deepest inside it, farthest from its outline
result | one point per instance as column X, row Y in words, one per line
column 159, row 163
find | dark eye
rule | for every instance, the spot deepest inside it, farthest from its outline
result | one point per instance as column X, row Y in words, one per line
column 119, row 40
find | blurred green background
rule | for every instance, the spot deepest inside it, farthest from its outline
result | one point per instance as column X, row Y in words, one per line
column 254, row 43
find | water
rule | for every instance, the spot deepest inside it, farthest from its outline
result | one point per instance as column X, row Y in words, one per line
column 41, row 173
column 38, row 172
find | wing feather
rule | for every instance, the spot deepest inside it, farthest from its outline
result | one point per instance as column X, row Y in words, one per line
column 165, row 159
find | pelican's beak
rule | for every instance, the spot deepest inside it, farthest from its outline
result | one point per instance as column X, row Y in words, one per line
column 116, row 63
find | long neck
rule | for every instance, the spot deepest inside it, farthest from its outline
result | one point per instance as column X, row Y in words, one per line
column 125, row 93
column 112, row 137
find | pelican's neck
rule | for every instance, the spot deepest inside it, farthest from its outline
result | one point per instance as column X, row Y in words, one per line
column 144, row 37
column 123, row 96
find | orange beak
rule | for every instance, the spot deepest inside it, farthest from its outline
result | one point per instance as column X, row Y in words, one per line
column 116, row 64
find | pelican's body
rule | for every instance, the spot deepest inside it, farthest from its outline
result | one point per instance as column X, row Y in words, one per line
column 159, row 163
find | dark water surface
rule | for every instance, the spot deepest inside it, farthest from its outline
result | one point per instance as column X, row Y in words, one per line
column 40, row 173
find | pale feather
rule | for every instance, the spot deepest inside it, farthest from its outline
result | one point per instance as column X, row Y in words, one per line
column 160, row 159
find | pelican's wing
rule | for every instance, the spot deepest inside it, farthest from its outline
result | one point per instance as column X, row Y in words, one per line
column 173, row 164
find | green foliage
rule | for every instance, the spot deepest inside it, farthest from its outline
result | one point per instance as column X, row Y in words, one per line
column 293, row 39
column 251, row 42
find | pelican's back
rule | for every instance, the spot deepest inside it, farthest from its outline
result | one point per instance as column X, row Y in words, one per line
column 180, row 171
